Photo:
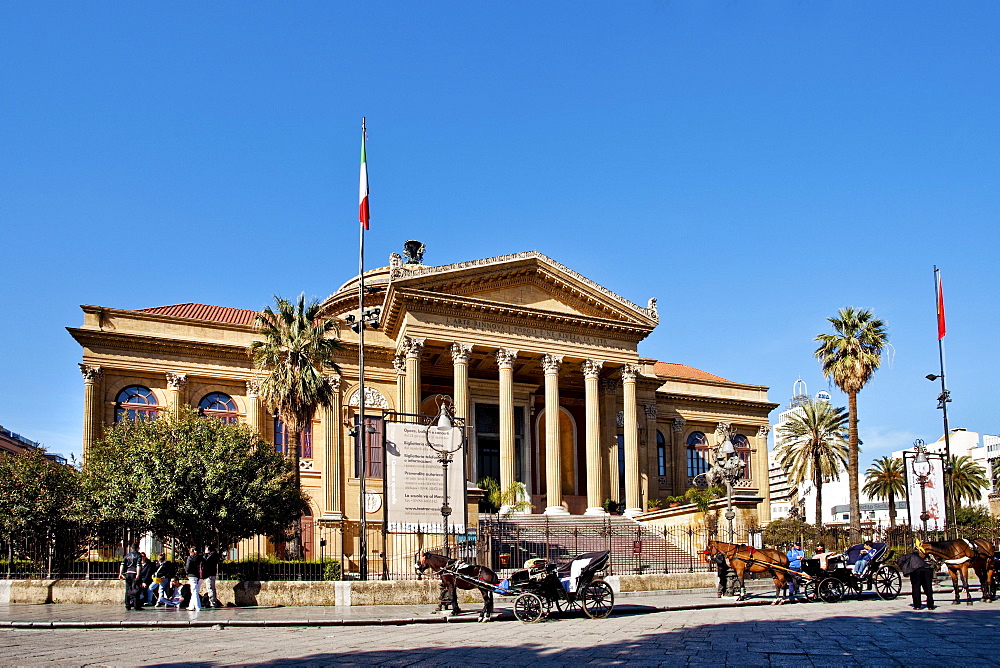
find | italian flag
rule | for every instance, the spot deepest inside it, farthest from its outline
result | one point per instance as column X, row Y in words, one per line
column 942, row 329
column 363, row 187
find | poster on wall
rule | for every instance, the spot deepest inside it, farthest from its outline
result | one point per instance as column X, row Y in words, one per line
column 414, row 486
column 933, row 495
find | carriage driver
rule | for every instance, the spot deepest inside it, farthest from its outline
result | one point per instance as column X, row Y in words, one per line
column 795, row 557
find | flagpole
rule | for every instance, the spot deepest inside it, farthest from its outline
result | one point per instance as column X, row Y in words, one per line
column 943, row 399
column 361, row 430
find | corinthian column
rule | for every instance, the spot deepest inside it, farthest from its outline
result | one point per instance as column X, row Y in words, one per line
column 91, row 405
column 412, row 348
column 505, row 361
column 175, row 392
column 332, row 450
column 460, row 355
column 631, row 428
column 399, row 364
column 553, row 444
column 591, row 370
column 253, row 406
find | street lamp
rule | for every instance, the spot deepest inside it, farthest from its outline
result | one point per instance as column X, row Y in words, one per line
column 445, row 439
column 943, row 400
column 729, row 469
column 921, row 467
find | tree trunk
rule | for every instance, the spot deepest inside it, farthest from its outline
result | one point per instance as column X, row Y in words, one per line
column 852, row 466
column 892, row 510
column 818, row 481
column 294, row 454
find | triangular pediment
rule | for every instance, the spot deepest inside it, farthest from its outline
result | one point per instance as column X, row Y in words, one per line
column 525, row 280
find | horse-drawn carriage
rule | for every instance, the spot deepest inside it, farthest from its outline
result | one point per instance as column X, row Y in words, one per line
column 833, row 584
column 539, row 589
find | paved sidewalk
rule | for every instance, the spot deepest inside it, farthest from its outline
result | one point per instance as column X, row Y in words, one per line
column 73, row 616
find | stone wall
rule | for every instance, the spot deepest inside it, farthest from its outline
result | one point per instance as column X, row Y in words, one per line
column 373, row 592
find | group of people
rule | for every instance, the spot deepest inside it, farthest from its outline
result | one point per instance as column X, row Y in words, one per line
column 157, row 583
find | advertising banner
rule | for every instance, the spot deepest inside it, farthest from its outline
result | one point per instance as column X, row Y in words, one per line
column 933, row 495
column 414, row 487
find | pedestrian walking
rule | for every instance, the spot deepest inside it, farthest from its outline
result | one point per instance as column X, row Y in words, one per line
column 210, row 572
column 129, row 572
column 193, row 568
column 921, row 575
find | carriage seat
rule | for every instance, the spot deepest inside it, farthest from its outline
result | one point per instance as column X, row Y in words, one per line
column 853, row 553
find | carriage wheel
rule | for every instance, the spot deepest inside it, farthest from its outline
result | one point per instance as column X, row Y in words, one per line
column 529, row 608
column 597, row 599
column 809, row 591
column 888, row 582
column 830, row 590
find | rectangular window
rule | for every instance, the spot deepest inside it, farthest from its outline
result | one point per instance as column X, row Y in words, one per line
column 281, row 439
column 371, row 436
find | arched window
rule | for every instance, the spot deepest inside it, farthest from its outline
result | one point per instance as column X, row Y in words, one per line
column 221, row 406
column 697, row 454
column 281, row 439
column 135, row 402
column 742, row 446
column 661, row 454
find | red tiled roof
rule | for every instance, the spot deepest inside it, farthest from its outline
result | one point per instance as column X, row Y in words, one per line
column 684, row 371
column 233, row 316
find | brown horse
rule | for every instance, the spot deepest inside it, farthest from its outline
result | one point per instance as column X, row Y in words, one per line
column 958, row 555
column 744, row 559
column 450, row 584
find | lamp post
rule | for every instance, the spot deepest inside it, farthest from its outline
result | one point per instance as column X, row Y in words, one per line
column 445, row 438
column 729, row 469
column 921, row 467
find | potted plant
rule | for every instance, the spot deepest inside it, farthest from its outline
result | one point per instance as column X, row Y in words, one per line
column 653, row 504
column 504, row 559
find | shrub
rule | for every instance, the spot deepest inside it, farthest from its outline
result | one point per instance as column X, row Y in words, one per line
column 332, row 570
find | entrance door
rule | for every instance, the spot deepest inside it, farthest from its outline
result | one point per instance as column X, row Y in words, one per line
column 488, row 441
column 621, row 469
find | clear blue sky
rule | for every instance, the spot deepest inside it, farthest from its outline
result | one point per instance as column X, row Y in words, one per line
column 754, row 166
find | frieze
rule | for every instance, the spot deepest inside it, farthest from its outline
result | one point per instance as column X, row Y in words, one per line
column 525, row 331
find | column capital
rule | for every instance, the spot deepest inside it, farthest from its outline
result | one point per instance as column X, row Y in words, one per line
column 591, row 368
column 506, row 357
column 629, row 372
column 412, row 347
column 176, row 381
column 253, row 388
column 461, row 353
column 334, row 380
column 551, row 363
column 91, row 374
column 652, row 410
column 678, row 425
column 399, row 364
column 763, row 430
column 723, row 429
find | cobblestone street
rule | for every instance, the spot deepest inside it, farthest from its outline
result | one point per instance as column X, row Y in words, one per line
column 868, row 633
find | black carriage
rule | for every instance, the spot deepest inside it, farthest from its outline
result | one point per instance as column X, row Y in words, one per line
column 574, row 585
column 838, row 579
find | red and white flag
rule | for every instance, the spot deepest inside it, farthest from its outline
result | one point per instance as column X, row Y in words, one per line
column 940, row 305
column 363, row 187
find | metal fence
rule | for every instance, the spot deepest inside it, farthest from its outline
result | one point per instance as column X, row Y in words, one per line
column 330, row 550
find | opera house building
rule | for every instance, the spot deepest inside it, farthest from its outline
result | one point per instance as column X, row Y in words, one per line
column 542, row 363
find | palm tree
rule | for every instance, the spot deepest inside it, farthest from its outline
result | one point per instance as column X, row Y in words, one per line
column 850, row 357
column 295, row 350
column 812, row 446
column 968, row 479
column 885, row 479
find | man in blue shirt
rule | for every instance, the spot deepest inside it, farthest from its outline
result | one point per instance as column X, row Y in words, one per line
column 795, row 557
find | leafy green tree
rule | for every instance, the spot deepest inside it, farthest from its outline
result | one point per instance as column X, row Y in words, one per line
column 812, row 446
column 785, row 531
column 296, row 349
column 968, row 479
column 850, row 356
column 974, row 516
column 886, row 479
column 37, row 506
column 192, row 478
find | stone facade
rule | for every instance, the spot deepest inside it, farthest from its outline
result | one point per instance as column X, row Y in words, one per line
column 512, row 339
